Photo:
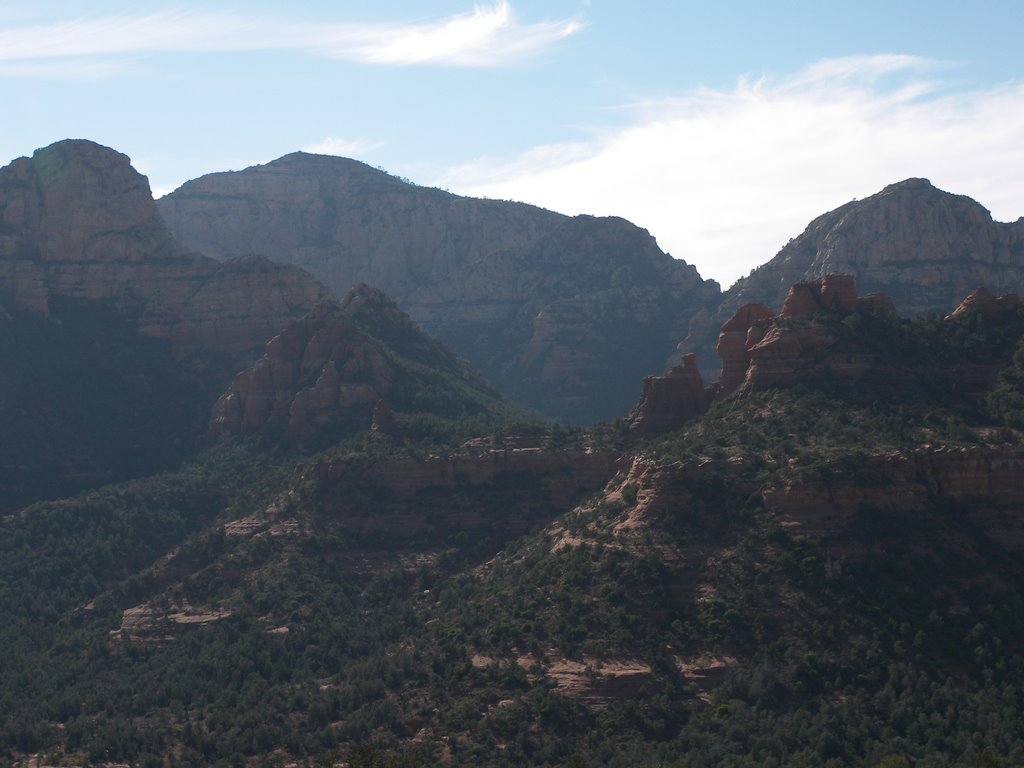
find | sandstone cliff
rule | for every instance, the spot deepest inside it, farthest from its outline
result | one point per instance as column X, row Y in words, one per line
column 921, row 246
column 344, row 367
column 77, row 220
column 564, row 314
column 667, row 402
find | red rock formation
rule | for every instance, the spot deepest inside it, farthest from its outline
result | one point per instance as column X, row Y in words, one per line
column 760, row 351
column 786, row 354
column 669, row 401
column 733, row 344
column 923, row 247
column 906, row 481
column 318, row 370
column 809, row 297
column 982, row 302
column 757, row 352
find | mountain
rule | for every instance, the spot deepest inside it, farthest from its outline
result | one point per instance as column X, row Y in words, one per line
column 822, row 569
column 116, row 338
column 346, row 367
column 815, row 560
column 77, row 221
column 563, row 314
column 923, row 247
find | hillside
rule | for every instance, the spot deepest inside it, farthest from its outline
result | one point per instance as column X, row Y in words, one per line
column 86, row 400
column 822, row 570
column 562, row 314
column 350, row 366
column 118, row 341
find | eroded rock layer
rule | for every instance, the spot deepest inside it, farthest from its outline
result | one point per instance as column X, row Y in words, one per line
column 564, row 314
column 77, row 220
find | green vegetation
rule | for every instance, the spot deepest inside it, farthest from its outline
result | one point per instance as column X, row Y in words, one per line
column 84, row 400
column 255, row 608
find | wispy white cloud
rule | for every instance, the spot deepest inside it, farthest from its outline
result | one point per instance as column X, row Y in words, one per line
column 480, row 38
column 725, row 178
column 333, row 145
column 487, row 36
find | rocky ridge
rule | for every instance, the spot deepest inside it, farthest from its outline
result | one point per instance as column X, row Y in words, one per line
column 924, row 248
column 76, row 220
column 564, row 314
column 760, row 350
column 347, row 367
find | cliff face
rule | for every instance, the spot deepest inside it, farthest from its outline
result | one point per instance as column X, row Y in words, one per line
column 667, row 402
column 328, row 373
column 320, row 369
column 564, row 314
column 989, row 479
column 76, row 220
column 921, row 246
column 564, row 477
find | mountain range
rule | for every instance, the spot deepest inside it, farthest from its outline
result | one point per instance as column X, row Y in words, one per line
column 564, row 314
column 254, row 514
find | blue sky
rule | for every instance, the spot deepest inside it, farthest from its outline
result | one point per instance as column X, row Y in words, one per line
column 722, row 128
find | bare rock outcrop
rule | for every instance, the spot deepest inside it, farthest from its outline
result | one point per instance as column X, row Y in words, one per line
column 565, row 476
column 77, row 220
column 990, row 477
column 562, row 313
column 835, row 292
column 320, row 369
column 670, row 400
column 982, row 302
column 924, row 248
column 759, row 350
column 733, row 344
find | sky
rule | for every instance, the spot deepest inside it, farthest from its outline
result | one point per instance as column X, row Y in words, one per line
column 722, row 128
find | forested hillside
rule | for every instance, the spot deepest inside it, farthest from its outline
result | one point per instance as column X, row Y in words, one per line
column 825, row 572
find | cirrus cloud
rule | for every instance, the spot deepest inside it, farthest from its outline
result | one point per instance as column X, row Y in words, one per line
column 487, row 36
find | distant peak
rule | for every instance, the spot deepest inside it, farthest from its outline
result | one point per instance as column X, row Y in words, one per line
column 363, row 295
column 67, row 151
column 912, row 183
column 77, row 146
column 302, row 158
